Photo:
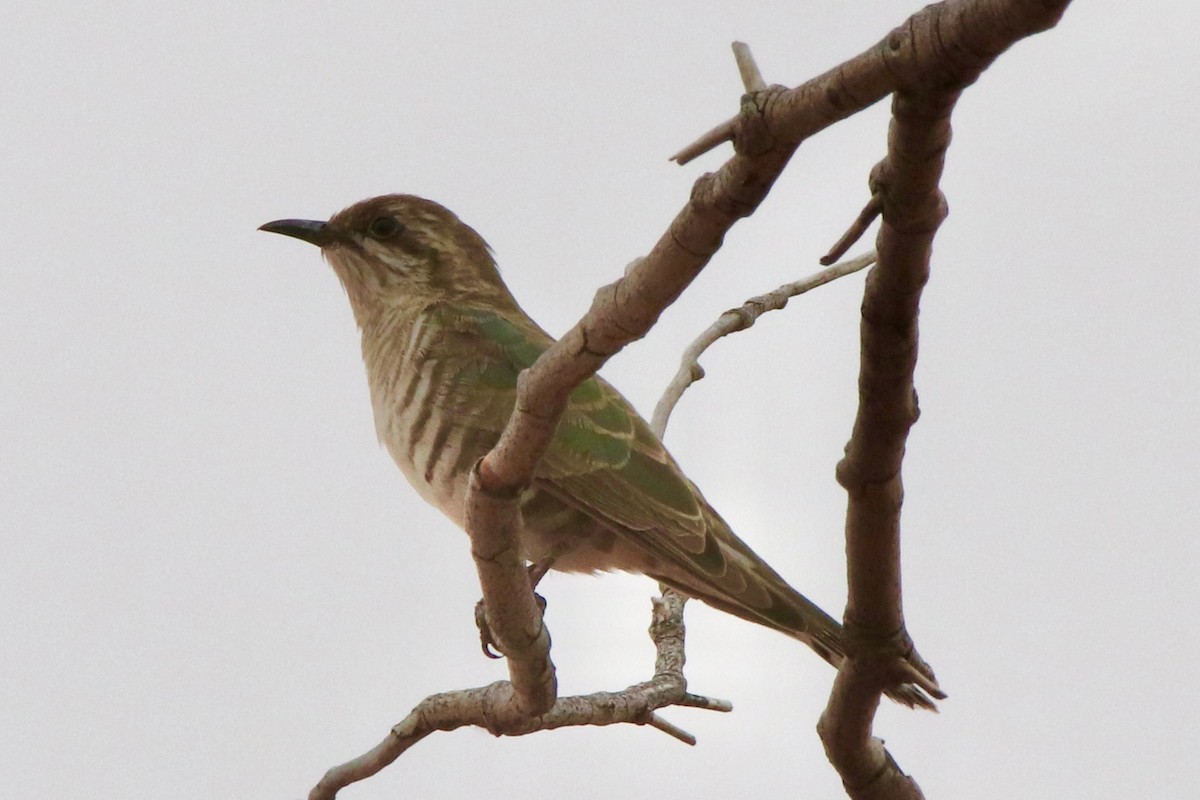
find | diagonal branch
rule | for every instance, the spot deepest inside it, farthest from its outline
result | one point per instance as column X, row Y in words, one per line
column 771, row 124
column 620, row 313
column 942, row 45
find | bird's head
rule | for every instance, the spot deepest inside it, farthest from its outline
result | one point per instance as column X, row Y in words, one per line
column 400, row 250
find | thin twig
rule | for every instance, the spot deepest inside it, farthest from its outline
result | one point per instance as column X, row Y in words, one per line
column 738, row 319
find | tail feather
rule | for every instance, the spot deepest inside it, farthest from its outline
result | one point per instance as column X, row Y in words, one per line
column 798, row 617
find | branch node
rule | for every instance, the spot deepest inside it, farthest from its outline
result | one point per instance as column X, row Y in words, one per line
column 752, row 82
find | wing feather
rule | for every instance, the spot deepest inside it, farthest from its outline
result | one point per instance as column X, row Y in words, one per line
column 606, row 462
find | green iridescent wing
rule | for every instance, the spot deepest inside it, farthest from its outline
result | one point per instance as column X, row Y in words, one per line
column 603, row 454
column 605, row 461
column 633, row 484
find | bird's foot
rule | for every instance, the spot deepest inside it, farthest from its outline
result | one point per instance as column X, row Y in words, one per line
column 910, row 680
column 921, row 683
column 486, row 641
column 536, row 571
column 918, row 683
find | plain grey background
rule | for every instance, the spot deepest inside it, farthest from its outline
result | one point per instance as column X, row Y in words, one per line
column 215, row 584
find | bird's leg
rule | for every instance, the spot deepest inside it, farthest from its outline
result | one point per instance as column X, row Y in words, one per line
column 536, row 571
column 539, row 568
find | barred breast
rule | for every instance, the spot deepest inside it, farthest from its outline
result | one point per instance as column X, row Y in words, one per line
column 413, row 393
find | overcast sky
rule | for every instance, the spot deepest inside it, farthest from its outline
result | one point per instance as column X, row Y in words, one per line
column 215, row 582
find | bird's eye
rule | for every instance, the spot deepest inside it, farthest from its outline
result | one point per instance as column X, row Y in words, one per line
column 384, row 227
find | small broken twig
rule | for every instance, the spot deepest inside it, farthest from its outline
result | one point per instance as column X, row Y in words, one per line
column 870, row 211
column 752, row 79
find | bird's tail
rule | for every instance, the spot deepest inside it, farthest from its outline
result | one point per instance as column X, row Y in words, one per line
column 826, row 637
column 749, row 588
column 800, row 618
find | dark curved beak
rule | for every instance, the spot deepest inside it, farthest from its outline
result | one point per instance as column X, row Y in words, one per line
column 309, row 230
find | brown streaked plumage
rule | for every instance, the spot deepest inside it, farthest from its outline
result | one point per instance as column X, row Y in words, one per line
column 444, row 340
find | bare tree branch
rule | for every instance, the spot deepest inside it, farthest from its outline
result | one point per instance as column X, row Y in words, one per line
column 965, row 34
column 771, row 124
column 926, row 61
column 738, row 319
column 496, row 707
column 937, row 53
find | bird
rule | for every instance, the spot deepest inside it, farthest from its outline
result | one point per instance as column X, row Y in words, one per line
column 443, row 341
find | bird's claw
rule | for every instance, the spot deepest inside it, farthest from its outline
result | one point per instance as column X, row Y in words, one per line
column 917, row 685
column 486, row 640
column 485, row 633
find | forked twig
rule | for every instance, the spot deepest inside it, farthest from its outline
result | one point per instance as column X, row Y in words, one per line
column 752, row 81
column 494, row 707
